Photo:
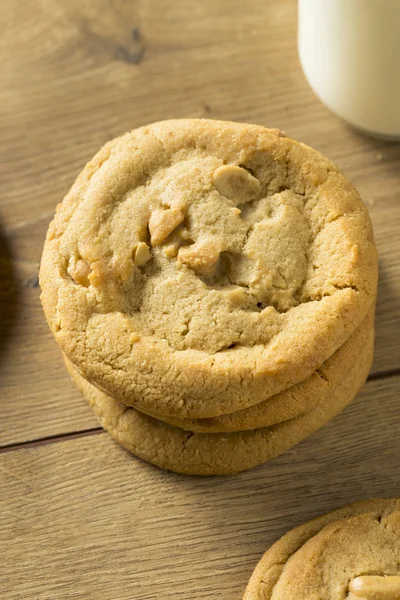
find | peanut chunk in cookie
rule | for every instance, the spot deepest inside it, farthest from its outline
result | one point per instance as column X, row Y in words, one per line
column 141, row 254
column 202, row 256
column 278, row 132
column 162, row 223
column 278, row 281
column 234, row 293
column 171, row 250
column 98, row 273
column 375, row 587
column 79, row 270
column 236, row 183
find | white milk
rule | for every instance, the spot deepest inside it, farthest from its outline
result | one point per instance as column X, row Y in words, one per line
column 350, row 53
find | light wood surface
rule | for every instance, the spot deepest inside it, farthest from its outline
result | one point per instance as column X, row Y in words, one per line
column 79, row 518
column 67, row 89
column 83, row 519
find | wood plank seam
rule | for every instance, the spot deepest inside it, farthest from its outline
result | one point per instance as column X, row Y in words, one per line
column 383, row 374
column 52, row 439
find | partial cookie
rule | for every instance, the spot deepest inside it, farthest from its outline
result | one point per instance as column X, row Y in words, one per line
column 198, row 267
column 289, row 403
column 182, row 451
column 350, row 554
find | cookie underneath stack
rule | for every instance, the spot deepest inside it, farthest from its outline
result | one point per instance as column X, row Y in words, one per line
column 349, row 554
column 212, row 286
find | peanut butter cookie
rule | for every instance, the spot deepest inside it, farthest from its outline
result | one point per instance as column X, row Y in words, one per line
column 198, row 267
column 350, row 554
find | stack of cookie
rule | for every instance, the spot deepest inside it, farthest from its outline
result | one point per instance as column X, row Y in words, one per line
column 212, row 286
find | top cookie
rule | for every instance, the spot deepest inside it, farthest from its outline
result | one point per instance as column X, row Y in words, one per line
column 350, row 554
column 199, row 266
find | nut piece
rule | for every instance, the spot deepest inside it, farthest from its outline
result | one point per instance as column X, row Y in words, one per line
column 171, row 250
column 278, row 281
column 79, row 270
column 236, row 183
column 134, row 337
column 141, row 254
column 374, row 587
column 278, row 132
column 98, row 273
column 234, row 293
column 162, row 223
column 354, row 255
column 202, row 256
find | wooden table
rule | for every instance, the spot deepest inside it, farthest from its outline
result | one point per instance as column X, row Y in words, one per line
column 79, row 517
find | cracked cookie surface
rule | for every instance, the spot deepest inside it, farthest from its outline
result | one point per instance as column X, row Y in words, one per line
column 193, row 453
column 292, row 402
column 197, row 267
column 350, row 554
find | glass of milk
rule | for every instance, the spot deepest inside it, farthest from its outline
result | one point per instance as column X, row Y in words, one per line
column 350, row 53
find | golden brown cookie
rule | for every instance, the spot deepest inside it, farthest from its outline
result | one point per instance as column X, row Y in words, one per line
column 182, row 451
column 289, row 403
column 349, row 554
column 198, row 267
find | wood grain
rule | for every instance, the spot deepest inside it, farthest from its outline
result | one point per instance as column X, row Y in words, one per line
column 79, row 517
column 75, row 74
column 84, row 519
